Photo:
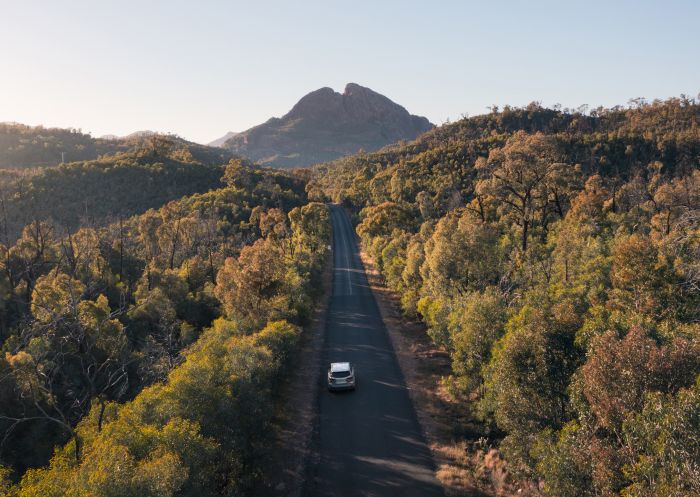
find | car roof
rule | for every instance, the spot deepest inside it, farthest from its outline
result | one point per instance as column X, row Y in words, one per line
column 340, row 366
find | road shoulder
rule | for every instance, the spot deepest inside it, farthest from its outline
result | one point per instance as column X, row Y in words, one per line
column 297, row 407
column 424, row 367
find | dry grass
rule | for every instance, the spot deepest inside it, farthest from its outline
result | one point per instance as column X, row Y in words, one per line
column 476, row 469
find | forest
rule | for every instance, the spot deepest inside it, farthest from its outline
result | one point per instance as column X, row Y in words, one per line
column 139, row 355
column 151, row 297
column 152, row 172
column 554, row 254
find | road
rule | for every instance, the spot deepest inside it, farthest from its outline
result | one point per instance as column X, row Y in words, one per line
column 369, row 440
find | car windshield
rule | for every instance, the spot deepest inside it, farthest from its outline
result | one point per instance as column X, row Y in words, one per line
column 340, row 374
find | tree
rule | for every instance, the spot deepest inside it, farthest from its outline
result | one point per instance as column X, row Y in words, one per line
column 636, row 277
column 384, row 218
column 665, row 449
column 239, row 174
column 176, row 234
column 563, row 460
column 33, row 255
column 410, row 276
column 155, row 325
column 81, row 257
column 76, row 353
column 273, row 224
column 462, row 255
column 425, row 205
column 527, row 381
column 5, row 482
column 673, row 199
column 311, row 226
column 475, row 325
column 522, row 175
column 619, row 373
column 253, row 287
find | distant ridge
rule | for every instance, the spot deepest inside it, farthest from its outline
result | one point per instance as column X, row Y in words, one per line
column 325, row 125
column 23, row 146
column 219, row 142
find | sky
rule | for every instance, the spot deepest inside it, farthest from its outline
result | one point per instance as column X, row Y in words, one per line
column 201, row 68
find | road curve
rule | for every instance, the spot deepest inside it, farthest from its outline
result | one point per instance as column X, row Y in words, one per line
column 369, row 440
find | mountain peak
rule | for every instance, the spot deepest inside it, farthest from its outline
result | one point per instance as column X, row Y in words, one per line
column 351, row 88
column 324, row 125
column 323, row 100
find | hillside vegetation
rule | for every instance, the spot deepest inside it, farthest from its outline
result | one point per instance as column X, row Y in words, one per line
column 24, row 146
column 555, row 256
column 150, row 301
column 139, row 357
column 113, row 187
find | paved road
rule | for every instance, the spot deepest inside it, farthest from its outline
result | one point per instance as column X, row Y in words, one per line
column 370, row 441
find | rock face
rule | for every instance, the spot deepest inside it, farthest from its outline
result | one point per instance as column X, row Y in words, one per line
column 325, row 125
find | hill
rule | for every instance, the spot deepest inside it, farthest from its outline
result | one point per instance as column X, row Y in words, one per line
column 24, row 146
column 325, row 125
column 553, row 258
column 193, row 309
column 93, row 192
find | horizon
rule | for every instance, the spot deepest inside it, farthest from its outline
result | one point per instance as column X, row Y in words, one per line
column 202, row 71
column 583, row 108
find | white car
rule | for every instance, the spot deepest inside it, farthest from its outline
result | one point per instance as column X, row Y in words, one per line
column 341, row 376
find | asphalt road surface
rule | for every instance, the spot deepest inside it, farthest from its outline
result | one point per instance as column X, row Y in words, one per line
column 369, row 440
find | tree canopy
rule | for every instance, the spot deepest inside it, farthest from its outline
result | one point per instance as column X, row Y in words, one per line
column 139, row 355
column 553, row 255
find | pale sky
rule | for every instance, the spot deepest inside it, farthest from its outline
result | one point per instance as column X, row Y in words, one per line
column 202, row 68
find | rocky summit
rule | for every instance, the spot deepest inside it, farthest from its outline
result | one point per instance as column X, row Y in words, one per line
column 325, row 125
